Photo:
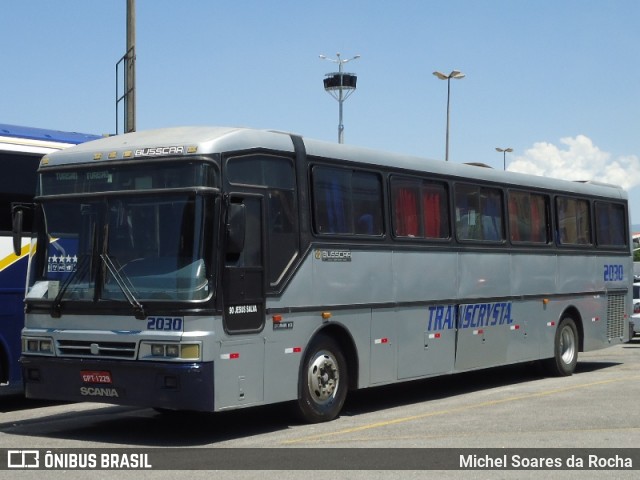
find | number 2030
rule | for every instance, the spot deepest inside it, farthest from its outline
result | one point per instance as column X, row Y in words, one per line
column 613, row 273
column 171, row 324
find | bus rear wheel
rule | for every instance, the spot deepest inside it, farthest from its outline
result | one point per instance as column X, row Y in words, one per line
column 565, row 350
column 323, row 381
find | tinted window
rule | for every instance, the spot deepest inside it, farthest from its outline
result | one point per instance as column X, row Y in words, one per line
column 275, row 176
column 528, row 217
column 479, row 213
column 262, row 171
column 574, row 222
column 420, row 208
column 347, row 202
column 17, row 184
column 611, row 224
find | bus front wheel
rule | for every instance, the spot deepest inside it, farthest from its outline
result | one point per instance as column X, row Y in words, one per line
column 565, row 350
column 323, row 381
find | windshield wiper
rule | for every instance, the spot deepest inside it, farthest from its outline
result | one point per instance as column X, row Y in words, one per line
column 83, row 267
column 126, row 286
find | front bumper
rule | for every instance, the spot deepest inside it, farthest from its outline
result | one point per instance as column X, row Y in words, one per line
column 175, row 386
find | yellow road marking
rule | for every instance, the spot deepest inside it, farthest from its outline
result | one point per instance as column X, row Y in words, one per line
column 454, row 410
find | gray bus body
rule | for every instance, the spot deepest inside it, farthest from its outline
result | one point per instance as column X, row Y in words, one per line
column 267, row 267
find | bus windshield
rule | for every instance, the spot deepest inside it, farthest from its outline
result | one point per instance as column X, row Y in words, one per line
column 133, row 247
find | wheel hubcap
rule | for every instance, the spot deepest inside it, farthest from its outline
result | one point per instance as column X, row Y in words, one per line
column 323, row 377
column 567, row 345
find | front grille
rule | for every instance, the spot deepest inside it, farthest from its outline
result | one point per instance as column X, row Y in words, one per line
column 82, row 348
column 615, row 316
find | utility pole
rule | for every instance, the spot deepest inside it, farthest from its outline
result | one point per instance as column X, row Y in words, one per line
column 128, row 61
column 130, row 65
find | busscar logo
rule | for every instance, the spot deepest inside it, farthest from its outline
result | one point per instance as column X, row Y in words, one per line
column 23, row 459
column 155, row 151
column 333, row 255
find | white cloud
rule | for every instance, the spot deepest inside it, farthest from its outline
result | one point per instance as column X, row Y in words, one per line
column 580, row 159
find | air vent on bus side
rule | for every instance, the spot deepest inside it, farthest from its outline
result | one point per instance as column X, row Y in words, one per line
column 615, row 316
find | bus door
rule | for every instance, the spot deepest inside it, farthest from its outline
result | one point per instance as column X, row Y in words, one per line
column 243, row 281
column 239, row 374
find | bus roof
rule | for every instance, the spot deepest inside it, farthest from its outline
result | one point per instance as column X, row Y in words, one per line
column 16, row 138
column 32, row 133
column 205, row 140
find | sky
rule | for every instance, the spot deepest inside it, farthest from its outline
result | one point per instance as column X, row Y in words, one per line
column 556, row 80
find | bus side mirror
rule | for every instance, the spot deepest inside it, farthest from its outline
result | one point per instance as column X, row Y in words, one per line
column 18, row 215
column 236, row 221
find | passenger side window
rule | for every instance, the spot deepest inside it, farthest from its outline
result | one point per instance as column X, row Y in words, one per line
column 479, row 213
column 420, row 209
column 347, row 202
column 574, row 222
column 528, row 217
column 611, row 229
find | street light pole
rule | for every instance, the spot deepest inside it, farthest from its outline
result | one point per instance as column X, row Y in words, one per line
column 456, row 75
column 340, row 86
column 128, row 61
column 504, row 155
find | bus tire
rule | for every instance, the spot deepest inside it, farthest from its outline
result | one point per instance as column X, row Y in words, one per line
column 565, row 350
column 323, row 383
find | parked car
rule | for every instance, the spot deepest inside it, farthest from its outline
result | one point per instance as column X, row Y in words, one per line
column 635, row 318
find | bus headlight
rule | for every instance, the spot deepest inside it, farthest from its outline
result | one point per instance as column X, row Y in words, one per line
column 172, row 351
column 157, row 350
column 37, row 346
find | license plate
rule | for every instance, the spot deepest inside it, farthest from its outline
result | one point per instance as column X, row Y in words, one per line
column 91, row 376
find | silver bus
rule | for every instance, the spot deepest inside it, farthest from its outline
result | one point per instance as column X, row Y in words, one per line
column 210, row 269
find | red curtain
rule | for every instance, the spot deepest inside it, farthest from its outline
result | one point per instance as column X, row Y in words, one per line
column 513, row 218
column 431, row 211
column 536, row 223
column 406, row 213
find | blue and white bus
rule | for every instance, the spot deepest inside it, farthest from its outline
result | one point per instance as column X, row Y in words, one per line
column 21, row 149
column 210, row 269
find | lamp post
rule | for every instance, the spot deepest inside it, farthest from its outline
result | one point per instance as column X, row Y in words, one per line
column 504, row 155
column 128, row 61
column 456, row 75
column 340, row 85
